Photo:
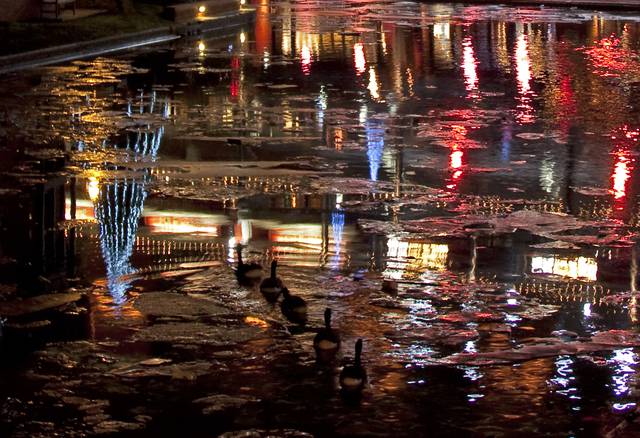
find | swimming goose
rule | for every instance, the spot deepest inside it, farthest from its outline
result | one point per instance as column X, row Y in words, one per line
column 327, row 341
column 293, row 308
column 248, row 274
column 271, row 287
column 354, row 377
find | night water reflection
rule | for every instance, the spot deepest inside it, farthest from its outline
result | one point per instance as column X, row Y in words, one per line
column 291, row 136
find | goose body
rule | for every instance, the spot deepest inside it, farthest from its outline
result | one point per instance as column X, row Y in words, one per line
column 293, row 308
column 272, row 287
column 353, row 378
column 248, row 274
column 327, row 341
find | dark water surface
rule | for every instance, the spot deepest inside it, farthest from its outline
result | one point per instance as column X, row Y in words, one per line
column 484, row 158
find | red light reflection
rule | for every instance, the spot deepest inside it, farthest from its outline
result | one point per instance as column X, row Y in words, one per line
column 234, row 88
column 611, row 60
column 625, row 140
column 458, row 137
column 621, row 174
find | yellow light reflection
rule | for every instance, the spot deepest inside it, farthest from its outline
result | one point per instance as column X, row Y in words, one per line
column 441, row 31
column 180, row 225
column 255, row 321
column 93, row 188
column 574, row 267
column 407, row 257
column 373, row 84
column 338, row 138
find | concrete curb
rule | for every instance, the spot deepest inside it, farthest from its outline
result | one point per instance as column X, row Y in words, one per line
column 221, row 25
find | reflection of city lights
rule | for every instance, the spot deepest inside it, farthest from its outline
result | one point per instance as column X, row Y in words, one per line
column 306, row 234
column 305, row 56
column 383, row 41
column 243, row 37
column 289, row 238
column 577, row 267
column 523, row 76
column 456, row 159
column 624, row 140
column 373, row 84
column 338, row 138
column 441, row 31
column 93, row 188
column 414, row 257
column 564, row 377
column 374, row 130
column 359, row 59
column 255, row 321
column 459, row 135
column 202, row 9
column 621, row 174
column 178, row 225
column 523, row 65
column 84, row 209
column 624, row 361
column 201, row 47
column 469, row 65
column 610, row 58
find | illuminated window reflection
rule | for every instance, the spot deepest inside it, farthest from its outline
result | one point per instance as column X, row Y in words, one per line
column 407, row 257
column 576, row 267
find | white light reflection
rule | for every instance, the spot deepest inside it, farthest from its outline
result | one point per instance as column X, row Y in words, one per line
column 469, row 67
column 524, row 112
column 623, row 363
column 231, row 250
column 266, row 59
column 564, row 379
column 473, row 374
column 576, row 267
column 322, row 104
column 470, row 347
column 118, row 208
column 359, row 59
column 305, row 60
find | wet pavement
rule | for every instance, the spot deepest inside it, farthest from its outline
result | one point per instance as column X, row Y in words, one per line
column 480, row 161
